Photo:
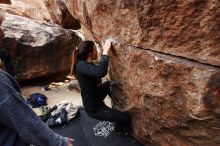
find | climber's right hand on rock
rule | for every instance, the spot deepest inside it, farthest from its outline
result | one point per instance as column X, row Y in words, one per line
column 107, row 47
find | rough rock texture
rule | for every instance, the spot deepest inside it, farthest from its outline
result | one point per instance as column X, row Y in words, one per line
column 5, row 1
column 167, row 60
column 28, row 8
column 187, row 28
column 164, row 95
column 37, row 48
column 61, row 15
column 44, row 10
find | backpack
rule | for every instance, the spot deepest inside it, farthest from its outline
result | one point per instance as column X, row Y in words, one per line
column 37, row 100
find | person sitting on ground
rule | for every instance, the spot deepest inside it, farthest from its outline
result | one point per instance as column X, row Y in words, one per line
column 19, row 125
column 93, row 91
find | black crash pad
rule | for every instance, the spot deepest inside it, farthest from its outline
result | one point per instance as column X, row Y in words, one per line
column 87, row 131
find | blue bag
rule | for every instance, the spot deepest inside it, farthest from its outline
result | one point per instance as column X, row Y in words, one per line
column 37, row 100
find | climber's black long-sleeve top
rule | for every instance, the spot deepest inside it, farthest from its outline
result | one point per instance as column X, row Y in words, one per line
column 89, row 76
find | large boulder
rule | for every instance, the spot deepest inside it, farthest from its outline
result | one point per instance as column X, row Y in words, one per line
column 165, row 96
column 61, row 15
column 5, row 1
column 37, row 48
column 43, row 10
column 167, row 62
column 189, row 29
column 27, row 8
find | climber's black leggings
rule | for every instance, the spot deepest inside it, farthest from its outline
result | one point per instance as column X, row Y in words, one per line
column 105, row 113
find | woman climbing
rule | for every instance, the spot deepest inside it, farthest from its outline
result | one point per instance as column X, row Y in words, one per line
column 93, row 91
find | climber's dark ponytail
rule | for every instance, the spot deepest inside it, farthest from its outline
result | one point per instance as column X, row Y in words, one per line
column 81, row 53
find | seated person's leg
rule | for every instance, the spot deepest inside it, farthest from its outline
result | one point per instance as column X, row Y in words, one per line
column 103, row 90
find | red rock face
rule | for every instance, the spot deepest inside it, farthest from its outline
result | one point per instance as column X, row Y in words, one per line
column 167, row 56
column 5, row 1
column 164, row 94
column 43, row 10
column 212, row 96
column 184, row 28
column 166, row 60
column 60, row 14
column 27, row 8
column 37, row 48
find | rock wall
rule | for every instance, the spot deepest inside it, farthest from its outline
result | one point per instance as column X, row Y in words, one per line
column 27, row 8
column 166, row 59
column 5, row 1
column 167, row 62
column 164, row 95
column 182, row 28
column 37, row 48
column 44, row 10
